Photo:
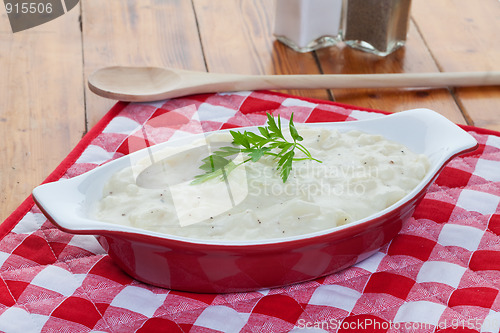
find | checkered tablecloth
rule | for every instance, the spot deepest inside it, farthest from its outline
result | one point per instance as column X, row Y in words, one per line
column 440, row 274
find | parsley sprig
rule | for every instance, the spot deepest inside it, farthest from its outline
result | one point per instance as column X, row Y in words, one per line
column 271, row 142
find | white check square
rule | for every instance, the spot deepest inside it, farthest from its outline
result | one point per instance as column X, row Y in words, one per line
column 29, row 223
column 59, row 280
column 337, row 296
column 222, row 318
column 441, row 272
column 487, row 169
column 371, row 263
column 477, row 201
column 15, row 319
column 139, row 300
column 493, row 141
column 298, row 102
column 420, row 312
column 460, row 235
column 215, row 113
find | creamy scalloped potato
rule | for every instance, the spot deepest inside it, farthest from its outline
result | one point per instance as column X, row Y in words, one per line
column 360, row 174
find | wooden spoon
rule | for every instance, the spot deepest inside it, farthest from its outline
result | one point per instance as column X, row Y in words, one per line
column 142, row 84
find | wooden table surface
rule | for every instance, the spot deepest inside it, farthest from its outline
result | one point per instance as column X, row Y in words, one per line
column 46, row 107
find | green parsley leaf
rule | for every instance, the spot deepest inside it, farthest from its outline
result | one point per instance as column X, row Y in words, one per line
column 256, row 154
column 271, row 142
column 286, row 165
column 293, row 131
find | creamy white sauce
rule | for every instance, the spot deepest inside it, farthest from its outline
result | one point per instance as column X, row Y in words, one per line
column 360, row 174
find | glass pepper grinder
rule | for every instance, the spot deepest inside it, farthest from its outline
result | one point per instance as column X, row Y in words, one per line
column 307, row 25
column 376, row 26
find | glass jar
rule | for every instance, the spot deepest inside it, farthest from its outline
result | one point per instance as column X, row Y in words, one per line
column 376, row 26
column 307, row 25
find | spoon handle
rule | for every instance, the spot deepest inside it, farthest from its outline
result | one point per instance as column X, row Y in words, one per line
column 142, row 84
column 400, row 80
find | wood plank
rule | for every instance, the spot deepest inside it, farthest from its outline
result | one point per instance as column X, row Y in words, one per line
column 464, row 36
column 237, row 37
column 41, row 103
column 137, row 33
column 413, row 58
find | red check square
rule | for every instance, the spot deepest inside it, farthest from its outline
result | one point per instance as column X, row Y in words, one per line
column 485, row 260
column 414, row 246
column 252, row 104
column 476, row 296
column 280, row 306
column 389, row 283
column 78, row 310
column 434, row 210
column 452, row 177
column 320, row 115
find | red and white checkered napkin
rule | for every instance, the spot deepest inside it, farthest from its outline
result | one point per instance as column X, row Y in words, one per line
column 442, row 272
